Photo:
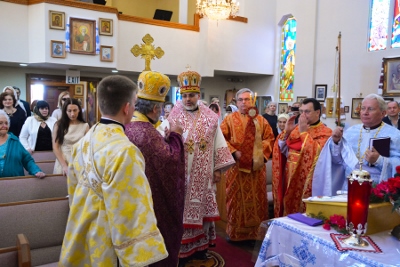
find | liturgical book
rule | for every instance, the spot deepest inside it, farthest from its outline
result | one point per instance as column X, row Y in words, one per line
column 382, row 145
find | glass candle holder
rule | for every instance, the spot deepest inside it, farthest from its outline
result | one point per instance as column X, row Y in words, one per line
column 359, row 190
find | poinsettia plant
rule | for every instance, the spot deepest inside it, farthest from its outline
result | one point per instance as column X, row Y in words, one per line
column 337, row 222
column 388, row 191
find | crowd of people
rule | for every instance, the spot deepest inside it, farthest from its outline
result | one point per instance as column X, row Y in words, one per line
column 142, row 181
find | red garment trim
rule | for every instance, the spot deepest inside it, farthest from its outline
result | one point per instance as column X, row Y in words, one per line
column 187, row 254
column 294, row 144
column 193, row 239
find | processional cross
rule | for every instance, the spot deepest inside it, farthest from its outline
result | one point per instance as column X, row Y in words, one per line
column 147, row 51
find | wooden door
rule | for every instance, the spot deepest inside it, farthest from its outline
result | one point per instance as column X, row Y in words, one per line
column 51, row 94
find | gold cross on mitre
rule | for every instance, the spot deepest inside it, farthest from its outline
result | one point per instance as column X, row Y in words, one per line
column 147, row 51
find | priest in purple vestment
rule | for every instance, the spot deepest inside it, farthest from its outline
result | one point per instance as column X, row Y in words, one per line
column 164, row 158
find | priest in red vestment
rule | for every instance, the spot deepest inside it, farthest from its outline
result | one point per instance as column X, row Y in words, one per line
column 249, row 138
column 296, row 152
column 164, row 158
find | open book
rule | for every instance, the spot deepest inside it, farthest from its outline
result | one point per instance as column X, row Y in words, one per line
column 382, row 145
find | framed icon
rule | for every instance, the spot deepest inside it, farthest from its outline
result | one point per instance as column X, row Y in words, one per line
column 356, row 107
column 57, row 49
column 320, row 91
column 106, row 27
column 82, row 36
column 283, row 108
column 391, row 77
column 56, row 20
column 106, row 53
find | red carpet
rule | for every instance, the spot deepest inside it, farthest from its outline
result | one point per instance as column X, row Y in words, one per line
column 233, row 255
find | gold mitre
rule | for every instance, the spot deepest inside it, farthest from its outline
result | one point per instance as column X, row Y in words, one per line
column 153, row 85
column 189, row 82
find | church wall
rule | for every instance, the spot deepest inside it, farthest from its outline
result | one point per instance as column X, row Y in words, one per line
column 360, row 69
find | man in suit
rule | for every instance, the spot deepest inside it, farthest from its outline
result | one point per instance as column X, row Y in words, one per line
column 26, row 104
column 392, row 112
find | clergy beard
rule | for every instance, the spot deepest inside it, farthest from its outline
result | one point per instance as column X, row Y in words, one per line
column 191, row 108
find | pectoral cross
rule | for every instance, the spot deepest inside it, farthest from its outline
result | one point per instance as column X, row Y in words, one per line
column 190, row 146
column 147, row 51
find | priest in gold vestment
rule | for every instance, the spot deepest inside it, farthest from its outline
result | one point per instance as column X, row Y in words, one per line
column 111, row 221
column 296, row 152
column 249, row 138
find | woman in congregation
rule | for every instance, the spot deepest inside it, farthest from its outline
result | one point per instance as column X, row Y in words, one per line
column 67, row 131
column 62, row 97
column 16, row 114
column 282, row 119
column 11, row 90
column 13, row 156
column 36, row 134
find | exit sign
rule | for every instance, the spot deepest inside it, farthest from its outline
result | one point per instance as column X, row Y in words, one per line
column 73, row 77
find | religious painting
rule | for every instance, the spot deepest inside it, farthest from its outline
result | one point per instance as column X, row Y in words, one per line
column 56, row 20
column 57, row 49
column 346, row 109
column 283, row 108
column 300, row 99
column 106, row 27
column 79, row 89
column 320, row 91
column 82, row 36
column 391, row 77
column 106, row 53
column 356, row 107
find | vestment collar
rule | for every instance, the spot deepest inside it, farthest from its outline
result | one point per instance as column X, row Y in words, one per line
column 105, row 120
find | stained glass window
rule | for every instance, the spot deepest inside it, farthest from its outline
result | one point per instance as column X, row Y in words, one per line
column 379, row 25
column 288, row 51
column 396, row 25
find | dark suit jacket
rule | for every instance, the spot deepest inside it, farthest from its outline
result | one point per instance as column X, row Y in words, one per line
column 27, row 107
column 387, row 120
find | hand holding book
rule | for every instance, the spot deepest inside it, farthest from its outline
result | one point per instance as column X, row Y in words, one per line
column 382, row 145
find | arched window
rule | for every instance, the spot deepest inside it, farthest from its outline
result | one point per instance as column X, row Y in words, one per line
column 288, row 55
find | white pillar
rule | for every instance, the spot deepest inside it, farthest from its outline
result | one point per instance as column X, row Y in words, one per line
column 183, row 10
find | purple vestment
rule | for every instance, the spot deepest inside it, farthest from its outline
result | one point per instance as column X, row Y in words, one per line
column 165, row 171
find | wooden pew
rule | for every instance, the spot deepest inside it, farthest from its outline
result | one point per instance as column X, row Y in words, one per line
column 43, row 223
column 43, row 155
column 18, row 256
column 47, row 166
column 23, row 188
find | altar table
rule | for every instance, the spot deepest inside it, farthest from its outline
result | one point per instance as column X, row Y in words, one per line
column 291, row 243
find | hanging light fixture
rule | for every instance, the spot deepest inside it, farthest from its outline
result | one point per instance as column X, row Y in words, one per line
column 217, row 9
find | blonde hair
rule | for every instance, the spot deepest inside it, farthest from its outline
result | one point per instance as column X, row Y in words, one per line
column 60, row 96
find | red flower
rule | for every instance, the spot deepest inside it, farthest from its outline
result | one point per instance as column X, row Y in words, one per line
column 326, row 226
column 398, row 169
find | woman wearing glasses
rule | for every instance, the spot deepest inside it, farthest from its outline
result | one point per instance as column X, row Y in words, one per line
column 61, row 99
column 67, row 131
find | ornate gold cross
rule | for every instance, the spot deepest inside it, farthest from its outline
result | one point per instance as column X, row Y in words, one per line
column 190, row 146
column 147, row 51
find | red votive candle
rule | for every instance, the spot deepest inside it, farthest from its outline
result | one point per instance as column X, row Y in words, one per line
column 359, row 190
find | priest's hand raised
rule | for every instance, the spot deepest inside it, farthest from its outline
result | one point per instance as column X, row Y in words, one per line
column 290, row 125
column 337, row 134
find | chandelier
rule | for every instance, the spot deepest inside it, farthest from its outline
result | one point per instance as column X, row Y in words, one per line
column 217, row 9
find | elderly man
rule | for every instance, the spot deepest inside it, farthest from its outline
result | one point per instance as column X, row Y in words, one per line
column 392, row 117
column 249, row 138
column 164, row 158
column 271, row 117
column 111, row 220
column 295, row 155
column 345, row 151
column 206, row 156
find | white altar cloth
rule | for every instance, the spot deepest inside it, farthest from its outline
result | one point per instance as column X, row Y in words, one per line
column 291, row 243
